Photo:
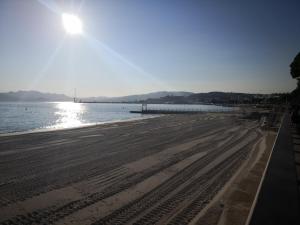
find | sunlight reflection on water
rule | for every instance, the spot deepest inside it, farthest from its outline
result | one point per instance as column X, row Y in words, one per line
column 69, row 114
column 34, row 116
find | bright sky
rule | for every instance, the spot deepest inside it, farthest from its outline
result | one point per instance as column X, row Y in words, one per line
column 139, row 46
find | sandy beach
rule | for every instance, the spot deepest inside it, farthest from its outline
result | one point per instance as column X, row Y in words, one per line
column 162, row 170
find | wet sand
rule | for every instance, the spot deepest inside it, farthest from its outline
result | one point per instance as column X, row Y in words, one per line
column 162, row 170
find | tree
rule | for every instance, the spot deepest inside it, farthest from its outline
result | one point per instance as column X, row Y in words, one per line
column 295, row 67
column 295, row 95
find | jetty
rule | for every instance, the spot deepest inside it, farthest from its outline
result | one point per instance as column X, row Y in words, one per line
column 146, row 110
column 164, row 111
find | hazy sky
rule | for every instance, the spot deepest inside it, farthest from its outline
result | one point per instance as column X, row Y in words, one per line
column 139, row 46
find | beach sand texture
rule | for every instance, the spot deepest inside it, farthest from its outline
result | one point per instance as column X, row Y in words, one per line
column 162, row 170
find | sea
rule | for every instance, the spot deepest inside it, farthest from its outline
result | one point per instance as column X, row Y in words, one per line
column 41, row 116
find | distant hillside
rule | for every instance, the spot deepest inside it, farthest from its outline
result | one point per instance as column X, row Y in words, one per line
column 138, row 98
column 221, row 98
column 46, row 97
column 155, row 97
column 32, row 96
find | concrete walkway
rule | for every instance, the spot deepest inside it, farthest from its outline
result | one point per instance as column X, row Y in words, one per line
column 278, row 200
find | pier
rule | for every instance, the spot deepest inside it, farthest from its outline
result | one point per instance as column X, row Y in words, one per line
column 162, row 111
column 146, row 110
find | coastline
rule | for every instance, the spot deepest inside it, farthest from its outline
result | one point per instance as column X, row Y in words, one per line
column 42, row 130
column 28, row 117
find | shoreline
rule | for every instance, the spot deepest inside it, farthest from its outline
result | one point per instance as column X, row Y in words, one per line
column 146, row 116
column 43, row 130
column 14, row 117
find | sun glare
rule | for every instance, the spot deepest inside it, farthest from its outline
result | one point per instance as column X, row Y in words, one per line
column 69, row 115
column 72, row 23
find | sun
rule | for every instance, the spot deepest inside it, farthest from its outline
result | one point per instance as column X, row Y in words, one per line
column 72, row 24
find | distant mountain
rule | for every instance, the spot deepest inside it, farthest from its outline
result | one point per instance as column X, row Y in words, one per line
column 228, row 98
column 222, row 97
column 180, row 97
column 32, row 96
column 138, row 98
column 47, row 97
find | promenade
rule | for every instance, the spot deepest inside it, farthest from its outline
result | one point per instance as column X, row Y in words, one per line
column 278, row 199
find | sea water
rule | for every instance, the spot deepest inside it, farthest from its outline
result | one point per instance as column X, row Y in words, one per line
column 34, row 116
